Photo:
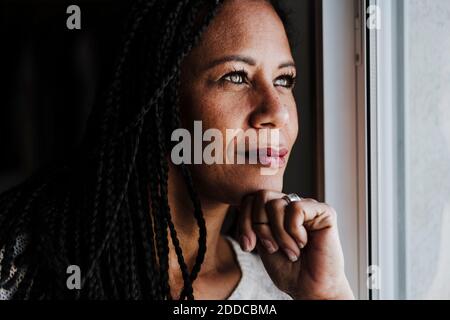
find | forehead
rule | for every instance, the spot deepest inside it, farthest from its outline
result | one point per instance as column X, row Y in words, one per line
column 245, row 26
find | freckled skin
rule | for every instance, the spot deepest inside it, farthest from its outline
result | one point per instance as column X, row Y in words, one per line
column 258, row 104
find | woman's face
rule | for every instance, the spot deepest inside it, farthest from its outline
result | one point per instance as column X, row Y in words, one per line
column 240, row 76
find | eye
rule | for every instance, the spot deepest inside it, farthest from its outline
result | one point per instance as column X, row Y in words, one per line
column 286, row 80
column 236, row 77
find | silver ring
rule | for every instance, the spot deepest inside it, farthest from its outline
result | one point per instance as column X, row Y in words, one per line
column 292, row 197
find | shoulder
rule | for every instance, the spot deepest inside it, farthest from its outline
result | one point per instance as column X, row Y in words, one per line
column 255, row 283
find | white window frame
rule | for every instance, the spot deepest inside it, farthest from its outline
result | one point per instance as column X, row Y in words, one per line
column 387, row 120
column 345, row 133
column 362, row 104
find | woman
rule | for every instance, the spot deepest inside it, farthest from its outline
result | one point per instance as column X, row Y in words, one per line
column 140, row 226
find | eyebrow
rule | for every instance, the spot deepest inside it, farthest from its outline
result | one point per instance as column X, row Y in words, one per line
column 245, row 59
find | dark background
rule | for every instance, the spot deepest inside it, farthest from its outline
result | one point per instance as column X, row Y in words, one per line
column 51, row 77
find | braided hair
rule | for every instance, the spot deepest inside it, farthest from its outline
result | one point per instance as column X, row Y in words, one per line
column 106, row 210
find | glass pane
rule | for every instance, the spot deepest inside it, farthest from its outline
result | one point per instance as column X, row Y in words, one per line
column 427, row 148
column 408, row 87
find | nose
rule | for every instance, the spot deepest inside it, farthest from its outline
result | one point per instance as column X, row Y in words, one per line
column 270, row 112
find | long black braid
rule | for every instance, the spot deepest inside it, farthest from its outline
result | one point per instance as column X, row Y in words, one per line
column 106, row 210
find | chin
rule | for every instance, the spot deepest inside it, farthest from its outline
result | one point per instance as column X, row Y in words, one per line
column 232, row 184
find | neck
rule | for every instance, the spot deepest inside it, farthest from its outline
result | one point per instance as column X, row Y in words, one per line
column 182, row 211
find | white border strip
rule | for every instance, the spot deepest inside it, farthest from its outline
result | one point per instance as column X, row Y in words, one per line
column 342, row 154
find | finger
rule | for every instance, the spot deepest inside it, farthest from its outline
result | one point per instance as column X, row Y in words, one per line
column 310, row 200
column 293, row 223
column 316, row 215
column 276, row 212
column 259, row 214
column 247, row 237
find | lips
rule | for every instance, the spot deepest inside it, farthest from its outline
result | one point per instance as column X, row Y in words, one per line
column 270, row 156
column 271, row 152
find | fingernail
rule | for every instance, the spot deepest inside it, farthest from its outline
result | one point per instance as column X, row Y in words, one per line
column 245, row 243
column 291, row 255
column 269, row 246
column 301, row 245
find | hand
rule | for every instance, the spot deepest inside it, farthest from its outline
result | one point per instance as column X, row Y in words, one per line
column 299, row 245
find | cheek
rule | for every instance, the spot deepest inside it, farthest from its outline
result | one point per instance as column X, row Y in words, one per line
column 292, row 127
column 215, row 109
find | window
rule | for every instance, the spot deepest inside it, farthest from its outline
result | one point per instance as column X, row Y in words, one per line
column 408, row 80
column 387, row 143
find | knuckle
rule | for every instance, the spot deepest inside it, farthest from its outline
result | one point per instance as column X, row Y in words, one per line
column 273, row 205
column 266, row 195
column 296, row 234
column 261, row 194
column 332, row 211
column 298, row 206
column 292, row 229
column 270, row 206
